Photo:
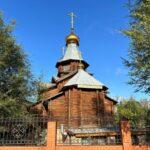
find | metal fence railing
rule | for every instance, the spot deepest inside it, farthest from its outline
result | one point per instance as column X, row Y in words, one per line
column 99, row 131
column 77, row 131
column 89, row 131
column 23, row 131
column 140, row 134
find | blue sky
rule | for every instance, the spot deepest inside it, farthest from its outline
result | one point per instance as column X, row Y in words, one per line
column 42, row 25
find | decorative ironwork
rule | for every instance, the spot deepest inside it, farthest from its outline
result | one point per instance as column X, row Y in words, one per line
column 18, row 131
column 23, row 131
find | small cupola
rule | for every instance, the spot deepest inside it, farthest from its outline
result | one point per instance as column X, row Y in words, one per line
column 72, row 55
column 72, row 38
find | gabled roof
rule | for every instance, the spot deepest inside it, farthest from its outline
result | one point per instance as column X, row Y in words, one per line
column 84, row 80
column 72, row 53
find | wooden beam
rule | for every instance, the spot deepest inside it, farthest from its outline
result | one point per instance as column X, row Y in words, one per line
column 79, row 135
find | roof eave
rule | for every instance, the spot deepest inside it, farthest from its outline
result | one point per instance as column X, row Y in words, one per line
column 82, row 87
column 65, row 61
column 111, row 99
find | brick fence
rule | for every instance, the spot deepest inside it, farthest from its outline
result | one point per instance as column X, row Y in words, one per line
column 51, row 142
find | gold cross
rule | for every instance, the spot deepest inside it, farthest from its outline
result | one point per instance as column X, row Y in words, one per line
column 72, row 15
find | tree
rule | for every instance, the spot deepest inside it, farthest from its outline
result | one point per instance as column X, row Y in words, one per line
column 138, row 60
column 16, row 81
column 132, row 110
column 148, row 126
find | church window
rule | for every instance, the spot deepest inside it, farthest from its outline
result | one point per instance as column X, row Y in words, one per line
column 66, row 68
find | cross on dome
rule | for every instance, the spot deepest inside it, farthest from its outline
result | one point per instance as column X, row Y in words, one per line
column 72, row 16
column 72, row 38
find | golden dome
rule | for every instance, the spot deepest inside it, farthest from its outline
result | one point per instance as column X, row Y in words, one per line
column 72, row 38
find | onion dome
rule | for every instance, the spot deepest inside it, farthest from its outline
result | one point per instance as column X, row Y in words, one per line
column 72, row 38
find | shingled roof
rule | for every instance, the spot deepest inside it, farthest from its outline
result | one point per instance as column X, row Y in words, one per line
column 72, row 52
column 84, row 80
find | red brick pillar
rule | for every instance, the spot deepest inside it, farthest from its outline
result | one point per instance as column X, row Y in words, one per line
column 126, row 134
column 51, row 136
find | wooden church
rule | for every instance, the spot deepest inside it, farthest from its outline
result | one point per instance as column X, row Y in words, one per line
column 74, row 97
